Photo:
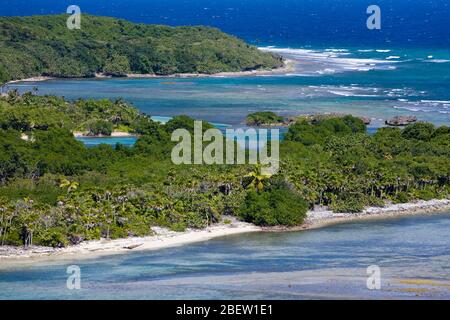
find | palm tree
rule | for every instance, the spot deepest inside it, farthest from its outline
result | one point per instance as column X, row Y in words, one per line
column 28, row 217
column 5, row 222
column 70, row 185
column 257, row 178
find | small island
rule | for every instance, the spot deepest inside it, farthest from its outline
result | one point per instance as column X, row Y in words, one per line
column 401, row 121
column 271, row 119
column 265, row 118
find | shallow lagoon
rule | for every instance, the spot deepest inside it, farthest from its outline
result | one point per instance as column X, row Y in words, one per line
column 112, row 141
column 322, row 263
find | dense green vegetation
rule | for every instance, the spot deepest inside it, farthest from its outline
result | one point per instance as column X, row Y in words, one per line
column 264, row 118
column 335, row 162
column 94, row 116
column 278, row 204
column 55, row 191
column 43, row 45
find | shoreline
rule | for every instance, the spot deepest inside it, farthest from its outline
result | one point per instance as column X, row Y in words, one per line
column 31, row 79
column 11, row 256
column 114, row 134
column 322, row 217
column 288, row 66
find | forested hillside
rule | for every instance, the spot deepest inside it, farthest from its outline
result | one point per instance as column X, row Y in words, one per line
column 43, row 45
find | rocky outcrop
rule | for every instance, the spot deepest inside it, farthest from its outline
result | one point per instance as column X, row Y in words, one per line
column 225, row 188
column 366, row 120
column 76, row 239
column 401, row 120
column 316, row 118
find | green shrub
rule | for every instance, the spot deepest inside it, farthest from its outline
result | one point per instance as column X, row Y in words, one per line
column 426, row 194
column 375, row 201
column 402, row 197
column 99, row 127
column 117, row 65
column 52, row 237
column 184, row 122
column 276, row 206
column 178, row 227
column 351, row 203
column 419, row 131
column 319, row 130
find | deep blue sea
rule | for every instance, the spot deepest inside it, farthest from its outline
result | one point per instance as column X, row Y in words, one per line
column 412, row 23
column 341, row 66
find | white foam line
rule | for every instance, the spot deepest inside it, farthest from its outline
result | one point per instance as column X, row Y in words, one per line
column 437, row 60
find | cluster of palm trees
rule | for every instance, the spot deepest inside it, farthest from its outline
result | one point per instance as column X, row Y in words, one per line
column 332, row 175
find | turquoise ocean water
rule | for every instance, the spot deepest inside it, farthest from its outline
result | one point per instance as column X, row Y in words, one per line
column 378, row 83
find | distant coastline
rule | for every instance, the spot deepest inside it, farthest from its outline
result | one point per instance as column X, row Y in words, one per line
column 115, row 134
column 288, row 66
column 11, row 256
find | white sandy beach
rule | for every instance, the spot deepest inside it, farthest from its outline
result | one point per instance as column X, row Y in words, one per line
column 322, row 217
column 32, row 79
column 114, row 134
column 163, row 238
column 289, row 66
